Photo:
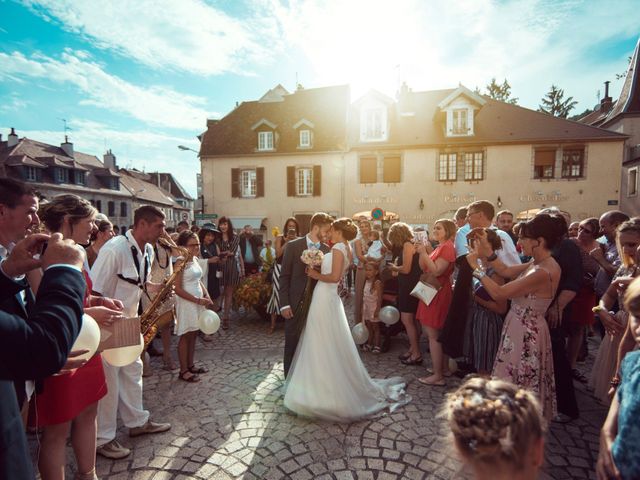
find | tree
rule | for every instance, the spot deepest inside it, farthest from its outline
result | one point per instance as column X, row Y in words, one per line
column 554, row 104
column 501, row 92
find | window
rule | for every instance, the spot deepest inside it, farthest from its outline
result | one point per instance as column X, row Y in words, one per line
column 30, row 174
column 391, row 172
column 544, row 164
column 304, row 181
column 79, row 178
column 368, row 170
column 248, row 183
column 632, row 182
column 573, row 163
column 62, row 175
column 447, row 168
column 460, row 126
column 474, row 166
column 265, row 140
column 111, row 208
column 123, row 209
column 305, row 138
column 99, row 206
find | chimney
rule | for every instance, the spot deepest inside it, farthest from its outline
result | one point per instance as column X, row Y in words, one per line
column 110, row 160
column 607, row 102
column 211, row 122
column 12, row 138
column 67, row 146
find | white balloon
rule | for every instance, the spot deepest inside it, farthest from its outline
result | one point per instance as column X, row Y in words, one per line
column 208, row 321
column 360, row 333
column 123, row 356
column 453, row 365
column 88, row 338
column 389, row 315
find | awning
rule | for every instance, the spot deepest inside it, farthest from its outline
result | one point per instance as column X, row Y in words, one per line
column 527, row 214
column 240, row 222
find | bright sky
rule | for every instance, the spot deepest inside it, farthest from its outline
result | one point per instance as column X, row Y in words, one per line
column 141, row 76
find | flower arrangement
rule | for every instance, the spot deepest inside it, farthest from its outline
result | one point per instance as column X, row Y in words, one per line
column 253, row 291
column 312, row 257
column 275, row 232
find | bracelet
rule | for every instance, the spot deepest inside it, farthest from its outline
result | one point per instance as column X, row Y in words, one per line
column 615, row 381
column 493, row 257
column 597, row 309
column 479, row 273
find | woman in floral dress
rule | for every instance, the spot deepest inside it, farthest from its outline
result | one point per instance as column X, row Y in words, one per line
column 524, row 357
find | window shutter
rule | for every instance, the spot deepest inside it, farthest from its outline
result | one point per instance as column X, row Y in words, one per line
column 291, row 181
column 368, row 170
column 391, row 170
column 260, row 182
column 235, row 182
column 317, row 180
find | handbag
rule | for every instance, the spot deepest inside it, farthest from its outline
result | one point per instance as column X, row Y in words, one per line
column 427, row 288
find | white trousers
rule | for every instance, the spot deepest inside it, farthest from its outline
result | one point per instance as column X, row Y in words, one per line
column 124, row 386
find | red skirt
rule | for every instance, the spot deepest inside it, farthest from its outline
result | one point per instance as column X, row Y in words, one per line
column 581, row 307
column 64, row 397
column 434, row 314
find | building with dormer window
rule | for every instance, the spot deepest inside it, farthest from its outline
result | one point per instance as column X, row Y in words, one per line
column 421, row 156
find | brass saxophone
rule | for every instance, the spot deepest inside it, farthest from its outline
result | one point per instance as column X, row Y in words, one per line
column 149, row 318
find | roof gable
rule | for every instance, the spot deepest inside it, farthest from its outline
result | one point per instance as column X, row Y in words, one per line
column 461, row 91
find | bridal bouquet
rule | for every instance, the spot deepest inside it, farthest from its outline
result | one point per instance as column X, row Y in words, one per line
column 312, row 257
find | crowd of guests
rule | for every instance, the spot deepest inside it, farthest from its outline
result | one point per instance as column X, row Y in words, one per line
column 514, row 303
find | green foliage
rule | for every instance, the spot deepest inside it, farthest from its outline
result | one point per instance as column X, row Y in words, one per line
column 501, row 92
column 554, row 103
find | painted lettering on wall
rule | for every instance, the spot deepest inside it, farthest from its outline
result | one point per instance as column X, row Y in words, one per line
column 375, row 200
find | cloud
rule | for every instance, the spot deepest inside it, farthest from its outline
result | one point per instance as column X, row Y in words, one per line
column 188, row 35
column 155, row 105
column 532, row 43
column 141, row 149
column 12, row 103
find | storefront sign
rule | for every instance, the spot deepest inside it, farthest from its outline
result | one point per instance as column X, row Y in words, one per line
column 463, row 199
column 375, row 200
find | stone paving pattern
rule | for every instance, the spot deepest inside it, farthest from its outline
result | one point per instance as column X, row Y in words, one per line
column 233, row 424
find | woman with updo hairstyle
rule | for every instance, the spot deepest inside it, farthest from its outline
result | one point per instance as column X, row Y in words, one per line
column 524, row 356
column 497, row 429
column 103, row 233
column 408, row 272
column 361, row 248
column 69, row 401
column 327, row 379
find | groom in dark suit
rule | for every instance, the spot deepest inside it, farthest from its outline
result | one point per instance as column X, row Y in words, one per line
column 293, row 279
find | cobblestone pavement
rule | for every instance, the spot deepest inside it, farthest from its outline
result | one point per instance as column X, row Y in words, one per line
column 233, row 424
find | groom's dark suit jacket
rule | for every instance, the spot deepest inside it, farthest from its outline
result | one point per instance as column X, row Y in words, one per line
column 293, row 280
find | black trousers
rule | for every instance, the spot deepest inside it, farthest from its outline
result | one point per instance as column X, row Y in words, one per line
column 292, row 332
column 565, row 393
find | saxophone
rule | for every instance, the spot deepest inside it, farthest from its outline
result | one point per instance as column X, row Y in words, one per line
column 150, row 317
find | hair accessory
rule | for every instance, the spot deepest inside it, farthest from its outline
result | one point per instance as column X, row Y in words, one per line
column 476, row 399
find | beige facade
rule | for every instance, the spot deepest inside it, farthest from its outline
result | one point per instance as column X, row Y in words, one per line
column 275, row 207
column 508, row 175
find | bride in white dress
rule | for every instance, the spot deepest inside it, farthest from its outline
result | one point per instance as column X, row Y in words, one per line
column 328, row 380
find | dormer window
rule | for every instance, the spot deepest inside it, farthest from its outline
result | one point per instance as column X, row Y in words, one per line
column 373, row 124
column 305, row 138
column 265, row 141
column 460, row 124
column 61, row 175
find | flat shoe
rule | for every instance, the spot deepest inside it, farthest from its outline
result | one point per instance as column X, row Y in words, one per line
column 191, row 379
column 446, row 374
column 194, row 369
column 408, row 361
column 404, row 356
column 432, row 384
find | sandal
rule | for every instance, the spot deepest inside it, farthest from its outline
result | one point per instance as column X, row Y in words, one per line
column 225, row 324
column 193, row 369
column 376, row 350
column 192, row 378
column 446, row 374
column 423, row 381
column 408, row 361
column 404, row 356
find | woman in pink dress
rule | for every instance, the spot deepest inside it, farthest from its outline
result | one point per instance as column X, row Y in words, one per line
column 524, row 356
column 439, row 262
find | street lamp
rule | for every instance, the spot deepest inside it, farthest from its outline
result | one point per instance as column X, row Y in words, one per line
column 201, row 197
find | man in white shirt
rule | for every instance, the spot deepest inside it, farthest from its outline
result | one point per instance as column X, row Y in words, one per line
column 480, row 215
column 121, row 271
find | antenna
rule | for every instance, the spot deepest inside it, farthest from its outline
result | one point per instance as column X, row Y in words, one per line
column 67, row 129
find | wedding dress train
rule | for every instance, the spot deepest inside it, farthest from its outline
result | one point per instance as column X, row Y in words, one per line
column 328, row 380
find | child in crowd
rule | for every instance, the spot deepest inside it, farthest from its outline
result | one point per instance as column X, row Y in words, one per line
column 376, row 247
column 619, row 454
column 498, row 429
column 372, row 301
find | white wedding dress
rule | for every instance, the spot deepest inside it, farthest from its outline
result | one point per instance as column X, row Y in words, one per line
column 328, row 380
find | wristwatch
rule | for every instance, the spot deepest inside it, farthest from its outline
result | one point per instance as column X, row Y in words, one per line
column 479, row 273
column 493, row 257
